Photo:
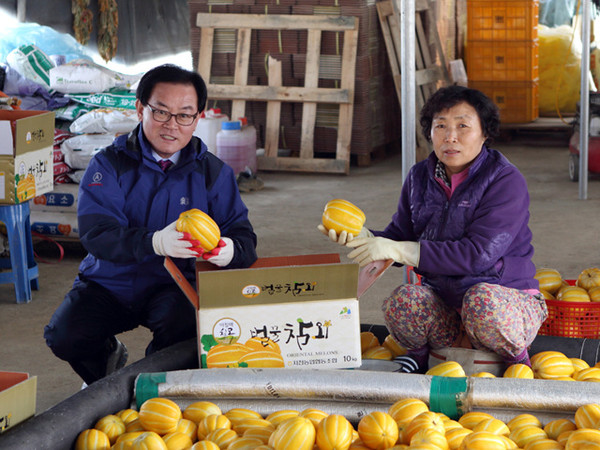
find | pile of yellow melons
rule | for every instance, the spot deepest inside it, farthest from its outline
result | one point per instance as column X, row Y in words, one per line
column 407, row 424
column 554, row 287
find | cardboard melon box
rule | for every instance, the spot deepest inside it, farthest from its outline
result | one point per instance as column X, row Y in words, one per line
column 17, row 398
column 26, row 155
column 293, row 312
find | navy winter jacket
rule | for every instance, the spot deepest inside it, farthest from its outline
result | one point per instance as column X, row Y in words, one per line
column 124, row 197
column 479, row 235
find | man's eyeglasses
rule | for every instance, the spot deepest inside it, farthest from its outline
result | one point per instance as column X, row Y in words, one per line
column 160, row 115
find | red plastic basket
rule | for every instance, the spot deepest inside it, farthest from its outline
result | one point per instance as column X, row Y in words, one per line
column 572, row 319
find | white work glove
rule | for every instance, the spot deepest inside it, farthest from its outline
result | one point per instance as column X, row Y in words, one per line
column 371, row 249
column 344, row 237
column 170, row 242
column 222, row 254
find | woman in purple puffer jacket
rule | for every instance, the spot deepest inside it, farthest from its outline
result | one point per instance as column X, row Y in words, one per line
column 462, row 223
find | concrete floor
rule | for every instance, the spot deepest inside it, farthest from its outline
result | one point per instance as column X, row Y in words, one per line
column 285, row 215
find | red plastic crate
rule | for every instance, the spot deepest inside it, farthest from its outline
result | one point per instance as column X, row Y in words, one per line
column 509, row 20
column 572, row 319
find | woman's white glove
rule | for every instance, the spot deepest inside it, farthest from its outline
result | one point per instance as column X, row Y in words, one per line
column 170, row 242
column 222, row 254
column 371, row 249
column 344, row 237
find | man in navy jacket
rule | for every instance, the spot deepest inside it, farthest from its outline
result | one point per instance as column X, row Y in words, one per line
column 129, row 200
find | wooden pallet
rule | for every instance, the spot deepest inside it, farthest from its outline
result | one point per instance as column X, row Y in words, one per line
column 309, row 95
column 428, row 74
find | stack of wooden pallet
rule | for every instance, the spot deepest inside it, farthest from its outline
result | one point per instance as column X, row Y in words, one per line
column 376, row 112
column 502, row 55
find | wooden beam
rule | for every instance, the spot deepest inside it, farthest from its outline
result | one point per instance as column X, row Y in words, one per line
column 273, row 110
column 278, row 93
column 277, row 22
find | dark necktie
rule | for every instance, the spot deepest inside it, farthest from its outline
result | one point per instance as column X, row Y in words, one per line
column 165, row 164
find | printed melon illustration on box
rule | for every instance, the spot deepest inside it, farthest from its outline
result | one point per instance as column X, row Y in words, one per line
column 223, row 349
column 24, row 187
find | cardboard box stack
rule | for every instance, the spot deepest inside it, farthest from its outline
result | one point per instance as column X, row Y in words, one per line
column 376, row 107
column 502, row 52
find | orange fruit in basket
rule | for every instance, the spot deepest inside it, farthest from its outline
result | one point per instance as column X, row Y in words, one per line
column 573, row 294
column 594, row 294
column 589, row 278
column 549, row 279
column 379, row 430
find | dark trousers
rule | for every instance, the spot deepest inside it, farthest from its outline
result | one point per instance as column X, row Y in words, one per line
column 81, row 329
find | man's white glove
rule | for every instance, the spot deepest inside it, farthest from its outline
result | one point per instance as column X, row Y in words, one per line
column 344, row 237
column 170, row 242
column 371, row 249
column 222, row 254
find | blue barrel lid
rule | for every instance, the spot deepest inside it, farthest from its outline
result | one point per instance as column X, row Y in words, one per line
column 233, row 125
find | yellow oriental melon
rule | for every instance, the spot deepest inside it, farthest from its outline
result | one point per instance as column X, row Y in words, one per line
column 112, row 425
column 200, row 226
column 518, row 371
column 277, row 417
column 212, row 422
column 244, row 425
column 472, row 418
column 341, row 215
column 378, row 430
column 545, row 444
column 494, row 426
column 523, row 420
column 205, row 445
column 160, row 415
column 92, row 439
column 223, row 437
column 334, row 432
column 393, row 346
column 188, row 428
column 297, row 433
column 447, row 369
column 588, row 416
column 526, row 434
column 553, row 366
column 573, row 294
column 407, row 409
column 177, row 440
column 245, row 443
column 482, row 440
column 550, row 279
column 379, row 352
column 237, row 415
column 589, row 278
column 314, row 415
column 584, row 439
column 368, row 340
column 199, row 410
column 455, row 436
column 555, row 427
column 148, row 441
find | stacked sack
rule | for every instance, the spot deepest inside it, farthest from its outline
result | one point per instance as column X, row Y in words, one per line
column 101, row 106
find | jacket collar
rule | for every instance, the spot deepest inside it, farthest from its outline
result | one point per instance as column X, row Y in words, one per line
column 473, row 168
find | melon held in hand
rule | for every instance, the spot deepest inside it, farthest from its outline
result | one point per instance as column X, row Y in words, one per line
column 341, row 215
column 201, row 227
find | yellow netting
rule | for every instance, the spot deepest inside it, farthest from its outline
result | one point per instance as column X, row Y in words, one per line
column 559, row 69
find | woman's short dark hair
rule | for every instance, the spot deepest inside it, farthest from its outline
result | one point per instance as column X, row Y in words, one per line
column 170, row 73
column 447, row 97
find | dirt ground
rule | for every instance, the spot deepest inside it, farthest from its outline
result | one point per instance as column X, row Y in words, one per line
column 285, row 214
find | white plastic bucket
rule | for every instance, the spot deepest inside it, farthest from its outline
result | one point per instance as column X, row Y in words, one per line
column 249, row 133
column 209, row 124
column 232, row 145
